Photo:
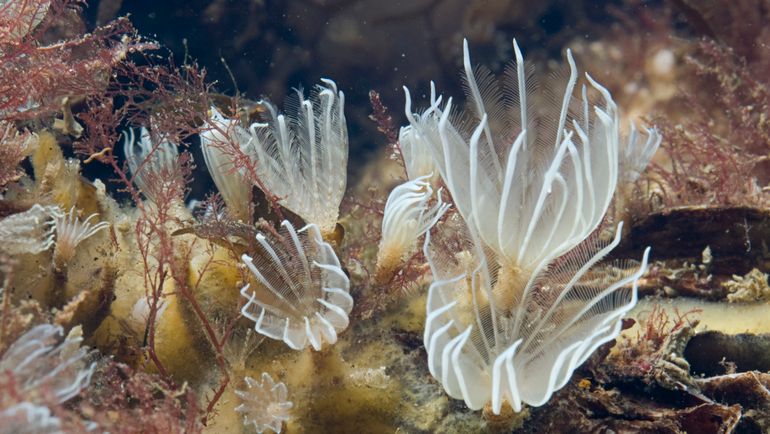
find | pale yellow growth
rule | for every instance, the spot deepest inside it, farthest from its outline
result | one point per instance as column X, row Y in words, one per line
column 177, row 338
column 718, row 316
column 57, row 182
column 345, row 388
column 175, row 343
column 225, row 419
column 409, row 316
column 215, row 279
column 56, row 177
column 46, row 152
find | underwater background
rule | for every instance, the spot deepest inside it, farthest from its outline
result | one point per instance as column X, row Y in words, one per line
column 298, row 216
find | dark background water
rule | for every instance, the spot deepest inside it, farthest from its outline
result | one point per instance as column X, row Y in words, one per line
column 272, row 46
